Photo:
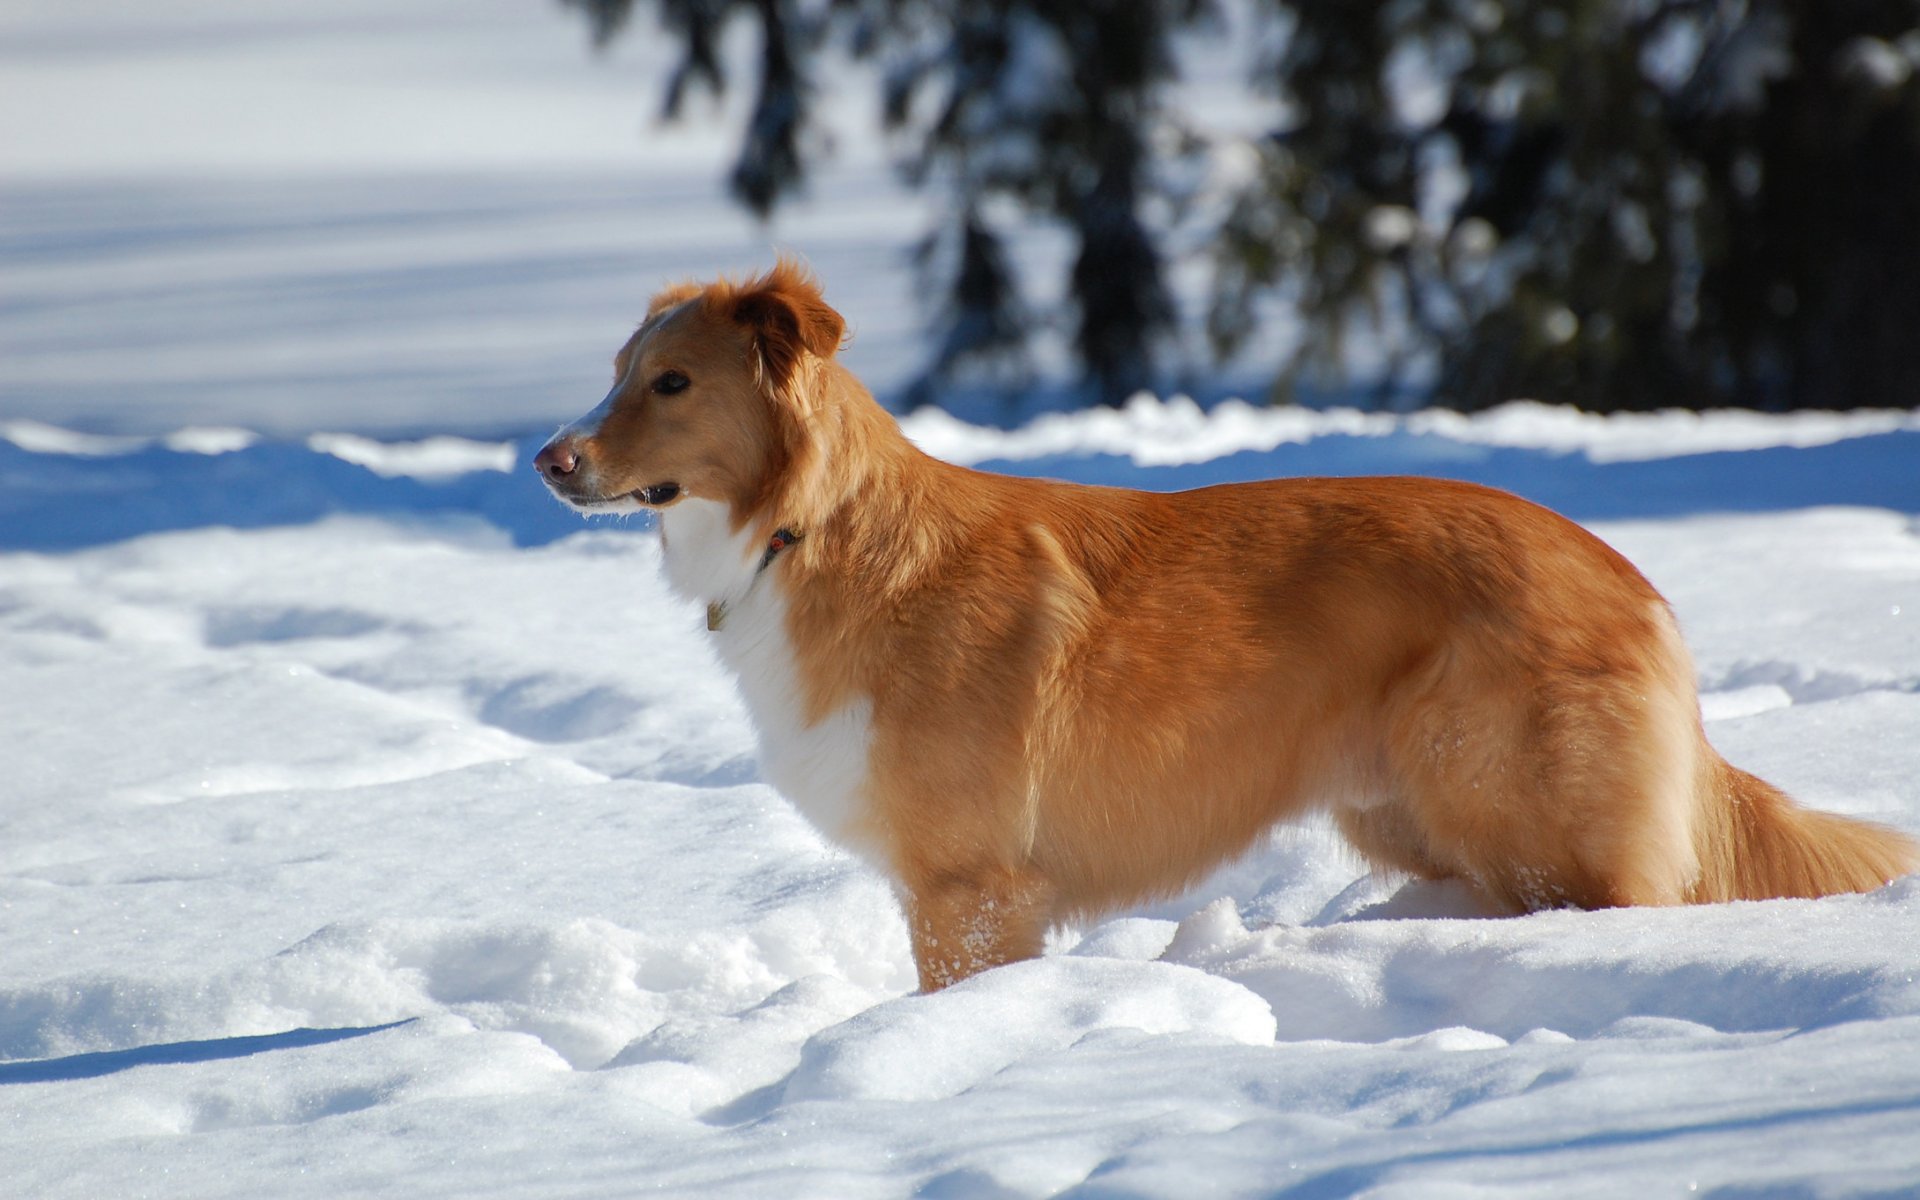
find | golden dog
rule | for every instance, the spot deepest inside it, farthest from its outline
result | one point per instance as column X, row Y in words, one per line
column 1028, row 701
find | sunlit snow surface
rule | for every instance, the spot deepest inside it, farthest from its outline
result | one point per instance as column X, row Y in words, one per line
column 477, row 795
column 371, row 826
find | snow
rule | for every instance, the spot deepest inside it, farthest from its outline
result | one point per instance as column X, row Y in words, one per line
column 409, row 843
column 372, row 826
column 1174, row 432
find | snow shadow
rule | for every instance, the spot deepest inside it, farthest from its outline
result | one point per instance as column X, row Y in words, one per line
column 52, row 501
column 1876, row 471
column 109, row 1062
column 1362, row 1178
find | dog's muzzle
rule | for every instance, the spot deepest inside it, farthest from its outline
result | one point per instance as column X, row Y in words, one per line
column 559, row 465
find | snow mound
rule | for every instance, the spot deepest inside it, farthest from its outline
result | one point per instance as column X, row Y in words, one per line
column 1151, row 432
column 1576, row 973
column 932, row 1047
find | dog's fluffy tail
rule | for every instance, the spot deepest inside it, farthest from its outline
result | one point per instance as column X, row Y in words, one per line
column 1757, row 844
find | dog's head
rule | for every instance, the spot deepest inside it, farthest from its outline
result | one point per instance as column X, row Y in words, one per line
column 710, row 398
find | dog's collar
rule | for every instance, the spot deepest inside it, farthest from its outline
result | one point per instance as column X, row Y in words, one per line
column 781, row 539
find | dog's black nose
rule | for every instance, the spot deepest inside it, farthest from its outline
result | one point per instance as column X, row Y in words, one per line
column 556, row 459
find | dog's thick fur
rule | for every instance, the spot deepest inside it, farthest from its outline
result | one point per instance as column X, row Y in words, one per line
column 1028, row 701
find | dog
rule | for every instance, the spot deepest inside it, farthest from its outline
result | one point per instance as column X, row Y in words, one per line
column 1029, row 702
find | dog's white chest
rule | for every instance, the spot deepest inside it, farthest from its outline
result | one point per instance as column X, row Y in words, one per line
column 820, row 767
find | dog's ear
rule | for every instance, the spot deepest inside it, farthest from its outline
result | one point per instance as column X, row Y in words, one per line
column 789, row 319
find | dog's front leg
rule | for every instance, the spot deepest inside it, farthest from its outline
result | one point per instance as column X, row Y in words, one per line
column 964, row 922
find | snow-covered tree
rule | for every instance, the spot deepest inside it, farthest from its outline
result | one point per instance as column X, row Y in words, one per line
column 1024, row 106
column 1615, row 203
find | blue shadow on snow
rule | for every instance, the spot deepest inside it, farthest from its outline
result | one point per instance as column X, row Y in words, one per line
column 53, row 502
column 1875, row 471
column 108, row 1062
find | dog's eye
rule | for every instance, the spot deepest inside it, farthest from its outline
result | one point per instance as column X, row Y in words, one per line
column 671, row 382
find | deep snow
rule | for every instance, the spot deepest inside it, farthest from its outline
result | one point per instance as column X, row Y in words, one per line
column 371, row 826
column 477, row 800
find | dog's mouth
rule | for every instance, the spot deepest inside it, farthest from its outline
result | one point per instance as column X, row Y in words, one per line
column 658, row 496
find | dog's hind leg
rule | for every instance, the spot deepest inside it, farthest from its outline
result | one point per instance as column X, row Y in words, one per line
column 1578, row 795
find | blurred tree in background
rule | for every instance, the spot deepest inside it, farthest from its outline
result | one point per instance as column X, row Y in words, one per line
column 1621, row 204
